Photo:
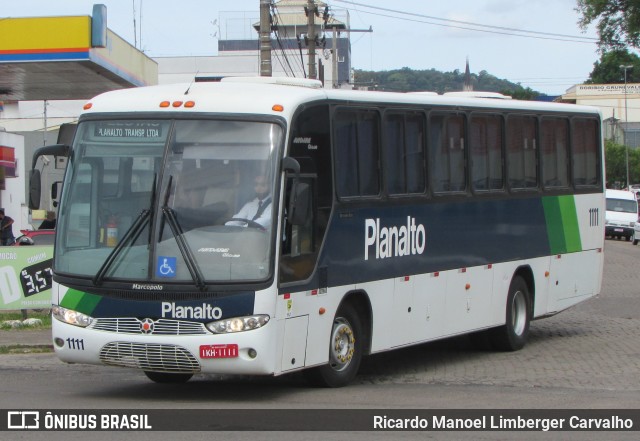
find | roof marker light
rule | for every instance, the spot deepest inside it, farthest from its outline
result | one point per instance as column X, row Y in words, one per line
column 165, row 104
column 87, row 106
column 277, row 108
column 177, row 103
column 190, row 104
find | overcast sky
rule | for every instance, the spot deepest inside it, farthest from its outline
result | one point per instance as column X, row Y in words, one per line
column 420, row 34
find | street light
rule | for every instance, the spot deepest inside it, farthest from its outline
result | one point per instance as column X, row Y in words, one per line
column 626, row 121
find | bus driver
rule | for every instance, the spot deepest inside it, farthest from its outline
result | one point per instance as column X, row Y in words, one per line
column 258, row 209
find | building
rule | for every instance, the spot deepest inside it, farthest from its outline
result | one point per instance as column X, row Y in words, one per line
column 620, row 107
column 39, row 94
column 239, row 51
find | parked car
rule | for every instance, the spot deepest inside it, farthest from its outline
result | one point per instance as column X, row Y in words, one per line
column 36, row 237
column 621, row 215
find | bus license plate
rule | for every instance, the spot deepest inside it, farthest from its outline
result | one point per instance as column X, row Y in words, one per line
column 218, row 351
column 618, row 230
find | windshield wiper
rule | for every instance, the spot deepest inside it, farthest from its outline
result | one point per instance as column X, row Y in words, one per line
column 183, row 246
column 131, row 234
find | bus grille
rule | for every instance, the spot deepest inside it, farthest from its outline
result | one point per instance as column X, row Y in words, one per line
column 160, row 327
column 149, row 357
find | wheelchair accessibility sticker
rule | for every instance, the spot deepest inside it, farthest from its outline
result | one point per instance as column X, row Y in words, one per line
column 166, row 266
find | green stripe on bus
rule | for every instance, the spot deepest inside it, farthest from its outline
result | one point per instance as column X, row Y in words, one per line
column 553, row 217
column 562, row 224
column 570, row 223
column 80, row 301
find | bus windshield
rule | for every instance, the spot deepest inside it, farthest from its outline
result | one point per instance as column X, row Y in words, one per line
column 164, row 201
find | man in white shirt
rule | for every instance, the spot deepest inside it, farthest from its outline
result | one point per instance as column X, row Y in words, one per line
column 257, row 210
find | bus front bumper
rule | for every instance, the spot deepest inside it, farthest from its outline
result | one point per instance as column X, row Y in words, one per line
column 246, row 353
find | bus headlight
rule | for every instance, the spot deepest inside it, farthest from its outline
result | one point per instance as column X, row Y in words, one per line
column 71, row 317
column 238, row 324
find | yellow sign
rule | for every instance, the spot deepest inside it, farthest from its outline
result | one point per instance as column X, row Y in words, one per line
column 48, row 33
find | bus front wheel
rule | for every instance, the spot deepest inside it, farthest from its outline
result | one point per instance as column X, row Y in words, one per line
column 346, row 345
column 166, row 377
column 513, row 335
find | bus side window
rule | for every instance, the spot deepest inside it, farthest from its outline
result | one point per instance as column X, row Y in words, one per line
column 554, row 149
column 447, row 146
column 584, row 151
column 522, row 163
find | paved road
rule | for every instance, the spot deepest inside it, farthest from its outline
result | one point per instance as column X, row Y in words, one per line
column 585, row 357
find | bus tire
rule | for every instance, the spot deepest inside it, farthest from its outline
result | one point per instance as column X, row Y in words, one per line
column 513, row 335
column 346, row 346
column 166, row 377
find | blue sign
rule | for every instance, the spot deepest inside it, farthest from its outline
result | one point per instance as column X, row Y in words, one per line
column 166, row 266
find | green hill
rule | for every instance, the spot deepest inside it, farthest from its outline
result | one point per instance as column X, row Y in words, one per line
column 409, row 80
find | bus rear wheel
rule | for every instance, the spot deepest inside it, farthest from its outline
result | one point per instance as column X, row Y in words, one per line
column 346, row 345
column 513, row 335
column 166, row 377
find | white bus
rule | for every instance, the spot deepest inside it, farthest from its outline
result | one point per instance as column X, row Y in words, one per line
column 392, row 220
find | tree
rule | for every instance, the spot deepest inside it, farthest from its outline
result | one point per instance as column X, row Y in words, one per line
column 409, row 80
column 618, row 22
column 607, row 70
column 616, row 164
column 526, row 94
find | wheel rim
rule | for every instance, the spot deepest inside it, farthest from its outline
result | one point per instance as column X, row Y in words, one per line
column 519, row 312
column 342, row 345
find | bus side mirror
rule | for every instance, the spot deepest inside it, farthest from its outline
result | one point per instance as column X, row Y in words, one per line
column 34, row 189
column 34, row 176
column 299, row 203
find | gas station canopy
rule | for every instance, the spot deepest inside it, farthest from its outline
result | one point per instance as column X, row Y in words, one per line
column 59, row 58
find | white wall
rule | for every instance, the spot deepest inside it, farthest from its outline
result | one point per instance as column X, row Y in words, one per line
column 28, row 116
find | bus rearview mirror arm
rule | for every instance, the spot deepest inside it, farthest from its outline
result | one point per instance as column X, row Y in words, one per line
column 34, row 176
column 300, row 195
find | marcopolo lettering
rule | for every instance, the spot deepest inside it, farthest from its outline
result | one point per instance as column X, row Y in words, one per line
column 147, row 287
column 171, row 310
column 393, row 241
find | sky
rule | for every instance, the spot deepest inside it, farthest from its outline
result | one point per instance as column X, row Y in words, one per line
column 550, row 57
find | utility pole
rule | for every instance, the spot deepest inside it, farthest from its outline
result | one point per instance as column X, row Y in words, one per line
column 626, row 125
column 334, row 50
column 265, row 38
column 311, row 36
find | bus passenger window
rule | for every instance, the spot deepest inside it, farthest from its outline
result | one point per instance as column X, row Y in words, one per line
column 554, row 150
column 447, row 153
column 522, row 165
column 584, row 150
column 404, row 153
column 357, row 153
column 485, row 140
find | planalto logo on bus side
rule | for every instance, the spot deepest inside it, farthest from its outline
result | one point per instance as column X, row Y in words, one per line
column 395, row 240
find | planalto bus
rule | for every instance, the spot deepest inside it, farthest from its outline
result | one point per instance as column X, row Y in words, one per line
column 388, row 220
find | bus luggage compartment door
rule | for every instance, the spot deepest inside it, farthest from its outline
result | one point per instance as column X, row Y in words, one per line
column 295, row 342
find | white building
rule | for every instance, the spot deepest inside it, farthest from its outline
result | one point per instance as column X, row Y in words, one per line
column 620, row 107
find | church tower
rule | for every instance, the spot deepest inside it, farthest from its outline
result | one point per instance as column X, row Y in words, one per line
column 467, row 86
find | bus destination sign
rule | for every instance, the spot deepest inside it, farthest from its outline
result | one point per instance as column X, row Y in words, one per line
column 128, row 130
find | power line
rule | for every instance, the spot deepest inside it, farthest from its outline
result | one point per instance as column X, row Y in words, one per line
column 489, row 28
column 287, row 53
